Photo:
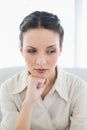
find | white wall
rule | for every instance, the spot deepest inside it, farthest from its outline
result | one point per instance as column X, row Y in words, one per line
column 11, row 15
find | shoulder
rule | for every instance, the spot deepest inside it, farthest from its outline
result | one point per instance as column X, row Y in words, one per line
column 72, row 82
column 14, row 78
column 14, row 82
column 72, row 78
column 76, row 86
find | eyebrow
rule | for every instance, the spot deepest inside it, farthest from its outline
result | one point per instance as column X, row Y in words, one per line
column 31, row 47
column 51, row 46
column 47, row 47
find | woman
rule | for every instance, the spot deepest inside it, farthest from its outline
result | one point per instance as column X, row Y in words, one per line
column 44, row 96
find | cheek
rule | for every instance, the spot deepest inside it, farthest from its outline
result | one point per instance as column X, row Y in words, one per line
column 29, row 59
column 52, row 60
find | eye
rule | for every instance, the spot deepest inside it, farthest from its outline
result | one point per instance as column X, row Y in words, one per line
column 31, row 51
column 51, row 51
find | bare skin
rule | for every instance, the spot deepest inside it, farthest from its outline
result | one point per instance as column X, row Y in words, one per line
column 41, row 51
column 34, row 90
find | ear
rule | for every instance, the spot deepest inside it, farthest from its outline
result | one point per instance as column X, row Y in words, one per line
column 21, row 50
column 60, row 49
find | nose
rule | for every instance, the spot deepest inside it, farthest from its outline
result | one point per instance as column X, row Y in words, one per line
column 41, row 59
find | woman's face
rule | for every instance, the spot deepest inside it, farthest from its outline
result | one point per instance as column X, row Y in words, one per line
column 41, row 51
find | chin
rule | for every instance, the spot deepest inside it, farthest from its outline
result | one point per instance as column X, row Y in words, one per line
column 40, row 75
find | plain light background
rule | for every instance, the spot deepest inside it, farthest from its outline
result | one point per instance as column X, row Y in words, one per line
column 73, row 16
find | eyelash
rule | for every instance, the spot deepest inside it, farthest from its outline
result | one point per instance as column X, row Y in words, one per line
column 34, row 51
column 31, row 51
column 51, row 51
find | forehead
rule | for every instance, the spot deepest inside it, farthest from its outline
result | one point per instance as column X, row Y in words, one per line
column 40, row 36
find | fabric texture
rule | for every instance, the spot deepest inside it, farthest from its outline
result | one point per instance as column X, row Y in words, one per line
column 64, row 108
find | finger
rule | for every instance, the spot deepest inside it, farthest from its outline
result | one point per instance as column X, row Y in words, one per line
column 46, row 81
column 43, row 84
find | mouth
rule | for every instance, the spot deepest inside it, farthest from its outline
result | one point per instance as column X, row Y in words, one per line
column 41, row 70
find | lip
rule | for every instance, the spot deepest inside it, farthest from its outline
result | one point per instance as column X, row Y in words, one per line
column 41, row 70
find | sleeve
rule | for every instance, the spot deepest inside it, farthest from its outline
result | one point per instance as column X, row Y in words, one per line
column 79, row 115
column 8, row 109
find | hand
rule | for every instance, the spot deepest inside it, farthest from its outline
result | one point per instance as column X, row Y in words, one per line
column 35, row 88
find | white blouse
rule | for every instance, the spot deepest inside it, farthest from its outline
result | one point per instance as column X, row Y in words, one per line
column 64, row 108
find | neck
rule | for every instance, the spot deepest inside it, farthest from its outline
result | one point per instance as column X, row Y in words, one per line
column 50, row 85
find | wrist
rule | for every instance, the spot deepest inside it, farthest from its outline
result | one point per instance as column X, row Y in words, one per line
column 27, row 103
